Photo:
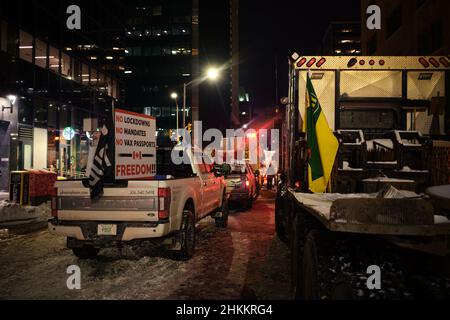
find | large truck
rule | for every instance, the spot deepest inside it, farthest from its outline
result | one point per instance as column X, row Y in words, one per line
column 391, row 116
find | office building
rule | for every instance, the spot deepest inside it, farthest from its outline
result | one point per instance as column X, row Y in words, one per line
column 48, row 95
column 342, row 38
column 408, row 28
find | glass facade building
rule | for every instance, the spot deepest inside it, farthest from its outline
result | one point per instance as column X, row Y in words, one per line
column 160, row 57
column 54, row 104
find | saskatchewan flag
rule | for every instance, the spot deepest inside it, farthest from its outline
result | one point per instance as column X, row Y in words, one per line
column 322, row 145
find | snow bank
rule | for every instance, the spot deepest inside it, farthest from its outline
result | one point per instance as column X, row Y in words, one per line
column 13, row 214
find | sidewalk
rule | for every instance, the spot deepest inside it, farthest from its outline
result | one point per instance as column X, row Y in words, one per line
column 4, row 195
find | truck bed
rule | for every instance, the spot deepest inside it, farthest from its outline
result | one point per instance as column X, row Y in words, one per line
column 320, row 206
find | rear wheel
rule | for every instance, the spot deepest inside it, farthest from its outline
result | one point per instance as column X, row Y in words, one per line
column 321, row 271
column 222, row 221
column 279, row 226
column 187, row 235
column 296, row 264
column 86, row 252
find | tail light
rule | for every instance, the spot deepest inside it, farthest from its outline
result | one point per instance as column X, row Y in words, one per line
column 321, row 62
column 163, row 203
column 434, row 62
column 424, row 62
column 54, row 203
column 247, row 183
column 301, row 62
column 311, row 62
column 444, row 62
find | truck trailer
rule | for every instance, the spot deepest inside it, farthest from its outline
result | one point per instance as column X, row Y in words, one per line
column 386, row 216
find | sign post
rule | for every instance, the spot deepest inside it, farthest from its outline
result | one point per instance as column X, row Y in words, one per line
column 135, row 145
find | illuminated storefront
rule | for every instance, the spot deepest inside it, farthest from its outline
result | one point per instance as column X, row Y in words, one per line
column 56, row 95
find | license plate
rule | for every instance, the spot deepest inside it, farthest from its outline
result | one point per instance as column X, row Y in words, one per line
column 107, row 229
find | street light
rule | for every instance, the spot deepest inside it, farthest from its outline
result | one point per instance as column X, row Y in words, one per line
column 212, row 74
column 174, row 96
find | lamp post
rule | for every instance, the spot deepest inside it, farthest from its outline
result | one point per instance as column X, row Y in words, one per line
column 212, row 74
column 174, row 96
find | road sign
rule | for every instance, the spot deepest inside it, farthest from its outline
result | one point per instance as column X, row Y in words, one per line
column 135, row 145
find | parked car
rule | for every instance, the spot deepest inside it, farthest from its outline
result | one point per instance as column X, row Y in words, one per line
column 165, row 208
column 241, row 184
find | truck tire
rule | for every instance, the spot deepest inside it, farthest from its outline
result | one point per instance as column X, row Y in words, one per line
column 222, row 222
column 187, row 236
column 86, row 252
column 296, row 263
column 279, row 226
column 321, row 274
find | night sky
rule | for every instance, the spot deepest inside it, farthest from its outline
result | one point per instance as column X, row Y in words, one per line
column 273, row 30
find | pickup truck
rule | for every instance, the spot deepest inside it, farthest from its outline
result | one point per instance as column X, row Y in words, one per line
column 163, row 209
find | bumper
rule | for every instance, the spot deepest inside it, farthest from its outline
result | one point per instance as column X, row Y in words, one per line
column 236, row 196
column 126, row 231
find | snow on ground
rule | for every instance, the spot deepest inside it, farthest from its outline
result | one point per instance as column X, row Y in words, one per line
column 13, row 214
column 244, row 261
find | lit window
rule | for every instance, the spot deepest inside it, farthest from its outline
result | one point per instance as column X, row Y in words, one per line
column 41, row 54
column 26, row 46
column 157, row 10
column 85, row 74
column 66, row 65
column 53, row 59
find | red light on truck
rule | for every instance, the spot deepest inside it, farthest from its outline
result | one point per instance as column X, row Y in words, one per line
column 301, row 62
column 382, row 62
column 372, row 62
column 434, row 62
column 444, row 62
column 424, row 62
column 163, row 203
column 362, row 62
column 311, row 62
column 321, row 62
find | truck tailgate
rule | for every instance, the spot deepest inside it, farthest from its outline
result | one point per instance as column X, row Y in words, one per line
column 136, row 202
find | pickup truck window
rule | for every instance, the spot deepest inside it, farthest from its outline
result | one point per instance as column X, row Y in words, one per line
column 238, row 168
column 165, row 166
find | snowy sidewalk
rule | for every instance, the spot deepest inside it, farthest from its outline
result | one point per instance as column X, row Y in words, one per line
column 4, row 195
column 22, row 219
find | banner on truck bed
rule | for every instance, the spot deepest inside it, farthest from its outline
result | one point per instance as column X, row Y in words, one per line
column 135, row 145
